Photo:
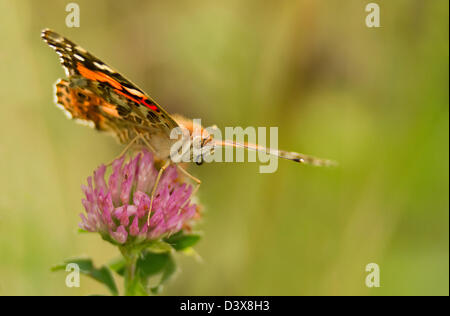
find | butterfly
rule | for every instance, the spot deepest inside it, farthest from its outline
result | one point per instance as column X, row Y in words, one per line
column 97, row 95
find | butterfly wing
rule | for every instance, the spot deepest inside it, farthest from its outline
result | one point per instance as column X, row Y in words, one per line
column 96, row 93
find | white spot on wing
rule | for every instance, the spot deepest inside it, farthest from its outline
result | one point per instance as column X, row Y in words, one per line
column 85, row 123
column 78, row 57
column 103, row 67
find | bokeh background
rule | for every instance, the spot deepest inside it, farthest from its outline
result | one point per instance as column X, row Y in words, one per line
column 376, row 100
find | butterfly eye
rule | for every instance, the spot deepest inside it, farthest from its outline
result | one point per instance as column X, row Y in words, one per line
column 199, row 160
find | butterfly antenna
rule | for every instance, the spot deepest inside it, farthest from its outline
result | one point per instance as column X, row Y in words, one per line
column 297, row 157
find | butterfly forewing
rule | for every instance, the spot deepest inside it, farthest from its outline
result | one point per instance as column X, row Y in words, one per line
column 96, row 93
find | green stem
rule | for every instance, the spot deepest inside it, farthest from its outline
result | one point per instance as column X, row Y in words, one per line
column 130, row 271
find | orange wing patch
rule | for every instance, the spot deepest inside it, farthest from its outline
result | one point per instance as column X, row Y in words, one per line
column 97, row 76
column 84, row 105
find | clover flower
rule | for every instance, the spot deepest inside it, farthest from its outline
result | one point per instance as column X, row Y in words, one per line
column 118, row 209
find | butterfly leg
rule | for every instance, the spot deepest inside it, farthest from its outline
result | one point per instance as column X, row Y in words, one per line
column 167, row 164
column 196, row 180
column 125, row 150
column 139, row 135
column 155, row 186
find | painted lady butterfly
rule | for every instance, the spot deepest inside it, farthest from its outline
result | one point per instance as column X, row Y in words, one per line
column 97, row 94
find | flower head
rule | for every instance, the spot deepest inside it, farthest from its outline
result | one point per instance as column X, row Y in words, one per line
column 118, row 207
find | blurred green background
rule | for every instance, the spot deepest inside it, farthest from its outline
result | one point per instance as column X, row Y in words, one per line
column 376, row 100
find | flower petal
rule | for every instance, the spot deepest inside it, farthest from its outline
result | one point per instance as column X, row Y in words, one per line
column 120, row 235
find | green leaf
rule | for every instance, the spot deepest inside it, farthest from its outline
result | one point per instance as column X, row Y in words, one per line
column 169, row 271
column 118, row 266
column 86, row 266
column 181, row 240
column 150, row 264
column 192, row 253
column 159, row 246
column 103, row 275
